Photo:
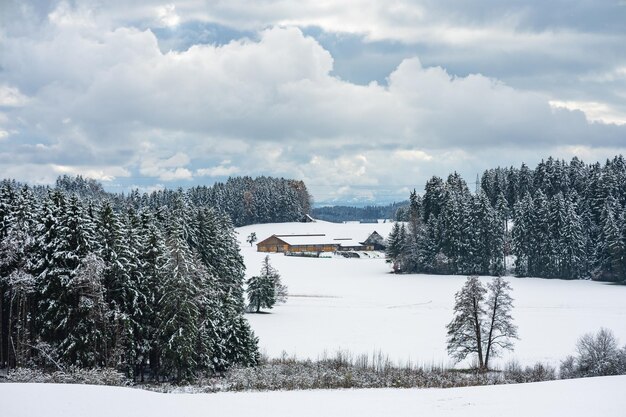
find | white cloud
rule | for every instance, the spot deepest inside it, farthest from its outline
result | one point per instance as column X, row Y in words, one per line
column 11, row 97
column 167, row 16
column 594, row 111
column 218, row 171
column 268, row 105
column 47, row 173
column 66, row 15
column 168, row 169
column 413, row 155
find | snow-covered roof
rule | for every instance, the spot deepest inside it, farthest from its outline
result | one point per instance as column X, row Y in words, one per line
column 348, row 243
column 323, row 239
column 296, row 240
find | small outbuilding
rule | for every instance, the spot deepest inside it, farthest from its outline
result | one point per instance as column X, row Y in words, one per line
column 307, row 219
column 376, row 241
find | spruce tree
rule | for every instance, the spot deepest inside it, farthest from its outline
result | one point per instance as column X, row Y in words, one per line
column 179, row 306
column 266, row 289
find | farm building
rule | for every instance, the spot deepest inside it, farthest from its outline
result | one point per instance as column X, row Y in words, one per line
column 318, row 243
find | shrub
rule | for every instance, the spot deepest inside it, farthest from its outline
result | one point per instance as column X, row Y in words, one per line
column 514, row 373
column 105, row 376
column 596, row 355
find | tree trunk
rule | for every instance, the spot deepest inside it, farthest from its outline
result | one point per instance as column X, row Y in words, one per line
column 490, row 337
column 479, row 346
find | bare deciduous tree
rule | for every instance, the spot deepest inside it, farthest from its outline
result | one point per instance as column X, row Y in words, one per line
column 500, row 328
column 481, row 327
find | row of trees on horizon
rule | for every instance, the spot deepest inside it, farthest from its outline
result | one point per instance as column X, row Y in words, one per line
column 245, row 200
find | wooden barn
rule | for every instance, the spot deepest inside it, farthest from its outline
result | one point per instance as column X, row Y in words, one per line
column 297, row 243
column 316, row 243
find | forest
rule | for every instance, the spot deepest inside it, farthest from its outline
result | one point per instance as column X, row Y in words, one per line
column 149, row 284
column 245, row 200
column 559, row 220
column 338, row 214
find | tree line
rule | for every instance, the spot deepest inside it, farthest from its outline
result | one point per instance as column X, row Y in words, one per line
column 153, row 290
column 559, row 220
column 245, row 200
column 338, row 214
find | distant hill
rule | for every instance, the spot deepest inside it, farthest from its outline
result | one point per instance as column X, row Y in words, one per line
column 340, row 214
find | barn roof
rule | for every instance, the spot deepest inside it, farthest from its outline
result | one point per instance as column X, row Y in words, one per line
column 296, row 240
column 320, row 239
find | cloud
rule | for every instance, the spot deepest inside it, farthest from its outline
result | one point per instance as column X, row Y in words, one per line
column 11, row 97
column 166, row 15
column 82, row 93
column 218, row 171
column 413, row 155
column 47, row 173
column 168, row 169
column 594, row 111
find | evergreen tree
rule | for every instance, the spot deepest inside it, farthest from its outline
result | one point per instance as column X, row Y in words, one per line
column 179, row 306
column 394, row 246
column 611, row 251
column 265, row 289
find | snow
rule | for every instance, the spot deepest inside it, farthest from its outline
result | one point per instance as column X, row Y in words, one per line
column 357, row 305
column 307, row 239
column 572, row 398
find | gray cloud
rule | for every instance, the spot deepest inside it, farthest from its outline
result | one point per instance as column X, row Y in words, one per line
column 92, row 90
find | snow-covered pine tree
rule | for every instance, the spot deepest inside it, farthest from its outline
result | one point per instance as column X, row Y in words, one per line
column 265, row 289
column 523, row 240
column 542, row 246
column 134, row 305
column 558, row 220
column 16, row 280
column 490, row 242
column 573, row 243
column 68, row 285
column 179, row 306
column 434, row 196
column 110, row 243
column 154, row 262
column 394, row 246
column 610, row 250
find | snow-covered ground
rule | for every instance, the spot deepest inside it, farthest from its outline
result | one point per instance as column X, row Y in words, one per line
column 357, row 305
column 571, row 398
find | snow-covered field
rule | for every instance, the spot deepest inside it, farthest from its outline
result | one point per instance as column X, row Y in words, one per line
column 357, row 305
column 572, row 398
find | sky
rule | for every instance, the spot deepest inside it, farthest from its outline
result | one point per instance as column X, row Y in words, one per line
column 363, row 100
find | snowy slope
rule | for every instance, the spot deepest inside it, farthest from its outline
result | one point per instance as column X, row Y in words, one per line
column 357, row 305
column 572, row 398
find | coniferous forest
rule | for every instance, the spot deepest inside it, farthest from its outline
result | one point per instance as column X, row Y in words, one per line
column 149, row 284
column 558, row 220
column 338, row 214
